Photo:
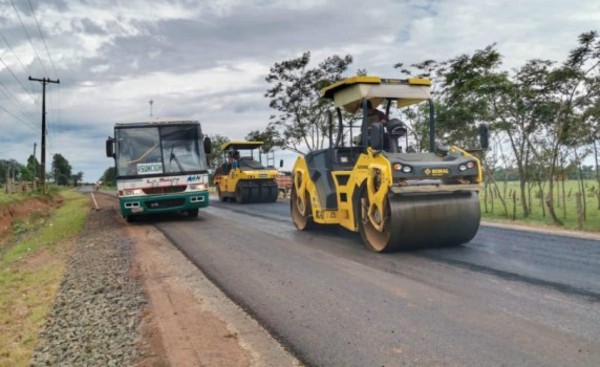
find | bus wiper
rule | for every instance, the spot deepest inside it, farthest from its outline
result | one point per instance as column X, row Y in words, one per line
column 172, row 157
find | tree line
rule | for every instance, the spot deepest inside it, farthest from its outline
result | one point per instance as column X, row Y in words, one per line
column 544, row 115
column 61, row 171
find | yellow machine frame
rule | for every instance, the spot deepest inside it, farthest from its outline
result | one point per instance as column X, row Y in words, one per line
column 228, row 182
column 372, row 171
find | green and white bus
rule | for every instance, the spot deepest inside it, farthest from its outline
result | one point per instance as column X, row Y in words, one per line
column 161, row 166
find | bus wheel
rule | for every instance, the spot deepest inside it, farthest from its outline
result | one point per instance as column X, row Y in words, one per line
column 192, row 213
column 130, row 218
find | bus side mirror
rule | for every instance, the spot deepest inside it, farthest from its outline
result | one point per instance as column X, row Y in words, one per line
column 281, row 163
column 207, row 145
column 484, row 136
column 110, row 147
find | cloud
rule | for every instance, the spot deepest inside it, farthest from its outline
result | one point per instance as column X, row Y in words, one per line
column 208, row 59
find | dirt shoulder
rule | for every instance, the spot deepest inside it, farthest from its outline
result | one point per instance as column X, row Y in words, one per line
column 187, row 320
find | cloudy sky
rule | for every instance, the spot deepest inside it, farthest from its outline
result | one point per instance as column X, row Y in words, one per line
column 208, row 59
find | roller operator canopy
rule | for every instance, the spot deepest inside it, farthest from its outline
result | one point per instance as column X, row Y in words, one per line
column 241, row 145
column 349, row 92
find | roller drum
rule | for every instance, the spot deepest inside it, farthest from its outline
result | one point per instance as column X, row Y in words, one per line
column 417, row 221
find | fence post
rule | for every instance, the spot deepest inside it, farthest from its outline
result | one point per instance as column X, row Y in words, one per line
column 579, row 210
column 514, row 196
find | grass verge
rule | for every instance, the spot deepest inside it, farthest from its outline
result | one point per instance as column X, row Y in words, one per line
column 566, row 210
column 30, row 275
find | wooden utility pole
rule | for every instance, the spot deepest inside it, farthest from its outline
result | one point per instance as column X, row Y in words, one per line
column 44, row 81
column 34, row 166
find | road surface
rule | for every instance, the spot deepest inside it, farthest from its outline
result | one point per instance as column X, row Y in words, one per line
column 508, row 297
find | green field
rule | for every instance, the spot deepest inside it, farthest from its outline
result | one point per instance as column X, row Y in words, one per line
column 566, row 213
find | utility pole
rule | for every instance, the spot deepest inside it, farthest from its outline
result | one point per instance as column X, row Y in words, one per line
column 44, row 81
column 34, row 166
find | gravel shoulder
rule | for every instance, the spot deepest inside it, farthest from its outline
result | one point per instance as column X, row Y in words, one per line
column 129, row 297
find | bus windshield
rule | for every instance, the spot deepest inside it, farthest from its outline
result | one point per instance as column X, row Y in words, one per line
column 159, row 150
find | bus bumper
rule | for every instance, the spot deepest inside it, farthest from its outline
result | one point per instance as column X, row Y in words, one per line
column 141, row 205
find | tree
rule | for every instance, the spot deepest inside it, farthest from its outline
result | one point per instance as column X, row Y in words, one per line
column 295, row 93
column 33, row 167
column 569, row 89
column 416, row 117
column 109, row 177
column 77, row 178
column 61, row 170
column 269, row 137
column 216, row 157
column 588, row 54
column 12, row 167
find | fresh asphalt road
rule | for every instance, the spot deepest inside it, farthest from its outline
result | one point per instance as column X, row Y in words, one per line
column 507, row 298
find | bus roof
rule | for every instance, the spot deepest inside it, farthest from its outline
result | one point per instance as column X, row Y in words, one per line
column 349, row 92
column 157, row 121
column 241, row 145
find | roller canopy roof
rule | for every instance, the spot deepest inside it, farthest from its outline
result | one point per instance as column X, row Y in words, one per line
column 241, row 145
column 348, row 93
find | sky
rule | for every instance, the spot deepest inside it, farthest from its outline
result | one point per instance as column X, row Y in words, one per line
column 208, row 59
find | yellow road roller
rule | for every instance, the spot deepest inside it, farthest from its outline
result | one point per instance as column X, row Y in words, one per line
column 243, row 178
column 396, row 197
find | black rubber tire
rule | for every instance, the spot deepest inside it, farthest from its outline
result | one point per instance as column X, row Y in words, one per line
column 253, row 194
column 274, row 194
column 192, row 213
column 264, row 194
column 222, row 197
column 241, row 196
column 302, row 222
column 130, row 218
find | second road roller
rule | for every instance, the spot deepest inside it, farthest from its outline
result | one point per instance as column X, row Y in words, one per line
column 396, row 197
column 243, row 178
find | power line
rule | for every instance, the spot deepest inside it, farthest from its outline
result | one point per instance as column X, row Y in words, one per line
column 16, row 102
column 14, row 53
column 29, row 38
column 43, row 39
column 13, row 115
column 17, row 79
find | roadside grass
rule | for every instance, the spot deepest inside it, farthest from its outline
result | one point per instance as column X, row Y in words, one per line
column 30, row 274
column 567, row 213
column 8, row 198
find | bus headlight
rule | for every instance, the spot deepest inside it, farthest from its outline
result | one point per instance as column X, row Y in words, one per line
column 198, row 187
column 134, row 192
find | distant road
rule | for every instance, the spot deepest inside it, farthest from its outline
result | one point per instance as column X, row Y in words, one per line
column 508, row 297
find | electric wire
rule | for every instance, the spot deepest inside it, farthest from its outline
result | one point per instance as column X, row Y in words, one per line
column 17, row 79
column 27, row 114
column 43, row 39
column 29, row 38
column 18, row 118
column 52, row 115
column 14, row 53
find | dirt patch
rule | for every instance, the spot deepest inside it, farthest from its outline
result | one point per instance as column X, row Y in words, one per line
column 12, row 212
column 175, row 330
column 44, row 257
column 188, row 321
column 191, row 335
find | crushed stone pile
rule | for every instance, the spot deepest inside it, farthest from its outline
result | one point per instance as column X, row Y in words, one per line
column 97, row 313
